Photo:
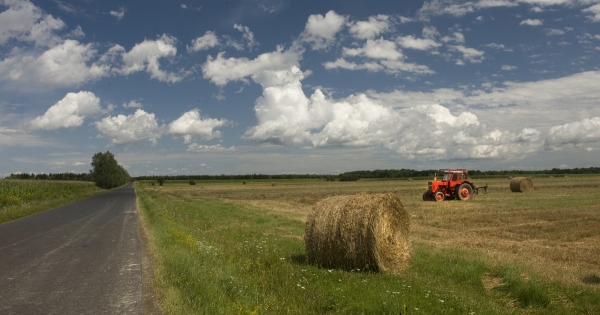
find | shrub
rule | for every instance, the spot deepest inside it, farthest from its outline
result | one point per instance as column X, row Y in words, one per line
column 192, row 182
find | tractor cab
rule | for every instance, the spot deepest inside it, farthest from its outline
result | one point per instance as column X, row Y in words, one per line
column 454, row 184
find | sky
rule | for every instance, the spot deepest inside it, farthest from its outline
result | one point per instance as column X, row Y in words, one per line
column 299, row 87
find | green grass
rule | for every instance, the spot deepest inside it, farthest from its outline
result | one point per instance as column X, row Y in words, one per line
column 20, row 198
column 218, row 256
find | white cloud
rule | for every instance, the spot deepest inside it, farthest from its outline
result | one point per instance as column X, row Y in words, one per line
column 417, row 43
column 437, row 7
column 287, row 116
column 371, row 28
column 120, row 14
column 553, row 32
column 221, row 70
column 508, row 67
column 513, row 106
column 76, row 33
column 191, row 124
column 386, row 55
column 576, row 133
column 469, row 54
column 25, row 22
column 248, row 37
column 376, row 49
column 482, row 4
column 204, row 42
column 69, row 112
column 534, row 22
column 145, row 57
column 194, row 147
column 126, row 130
column 344, row 64
column 595, row 11
column 456, row 37
column 61, row 66
column 133, row 104
column 320, row 30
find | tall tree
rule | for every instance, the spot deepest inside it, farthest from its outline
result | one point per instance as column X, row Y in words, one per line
column 107, row 173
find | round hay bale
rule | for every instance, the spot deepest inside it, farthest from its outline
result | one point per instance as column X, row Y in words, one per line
column 366, row 232
column 521, row 184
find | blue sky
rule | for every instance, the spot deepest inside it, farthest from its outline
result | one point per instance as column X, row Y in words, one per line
column 269, row 86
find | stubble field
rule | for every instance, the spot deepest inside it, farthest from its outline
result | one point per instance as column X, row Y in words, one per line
column 499, row 253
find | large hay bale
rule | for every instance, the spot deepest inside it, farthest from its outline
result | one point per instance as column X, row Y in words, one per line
column 366, row 232
column 521, row 184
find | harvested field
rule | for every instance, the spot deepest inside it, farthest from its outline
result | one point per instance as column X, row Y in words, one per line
column 234, row 248
column 555, row 228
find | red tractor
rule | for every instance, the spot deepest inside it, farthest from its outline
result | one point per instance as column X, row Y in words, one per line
column 454, row 185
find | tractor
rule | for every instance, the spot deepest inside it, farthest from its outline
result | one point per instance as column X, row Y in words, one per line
column 453, row 185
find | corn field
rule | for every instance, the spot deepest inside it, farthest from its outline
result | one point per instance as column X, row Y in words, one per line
column 19, row 195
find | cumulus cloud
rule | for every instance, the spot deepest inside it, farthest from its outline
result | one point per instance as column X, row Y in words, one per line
column 371, row 28
column 135, row 128
column 204, row 42
column 221, row 70
column 385, row 55
column 417, row 43
column 25, row 22
column 191, row 124
column 133, row 104
column 145, row 57
column 469, row 54
column 534, row 22
column 595, row 11
column 286, row 116
column 508, row 68
column 69, row 112
column 67, row 64
column 320, row 30
column 576, row 133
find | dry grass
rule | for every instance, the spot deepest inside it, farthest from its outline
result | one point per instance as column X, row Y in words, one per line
column 363, row 231
column 521, row 184
column 555, row 228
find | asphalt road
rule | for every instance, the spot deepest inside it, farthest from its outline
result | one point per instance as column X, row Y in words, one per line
column 82, row 258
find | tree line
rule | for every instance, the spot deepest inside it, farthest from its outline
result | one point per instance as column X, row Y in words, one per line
column 105, row 173
column 408, row 173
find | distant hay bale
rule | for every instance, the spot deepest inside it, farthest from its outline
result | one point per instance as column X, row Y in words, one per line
column 366, row 232
column 521, row 184
column 273, row 184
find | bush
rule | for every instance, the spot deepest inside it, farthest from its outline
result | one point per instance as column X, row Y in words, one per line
column 192, row 182
column 160, row 180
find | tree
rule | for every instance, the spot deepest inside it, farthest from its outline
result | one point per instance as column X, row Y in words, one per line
column 107, row 173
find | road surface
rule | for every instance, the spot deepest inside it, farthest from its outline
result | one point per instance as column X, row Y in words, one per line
column 82, row 258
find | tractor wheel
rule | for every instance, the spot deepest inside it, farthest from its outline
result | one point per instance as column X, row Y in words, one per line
column 426, row 196
column 464, row 192
column 439, row 196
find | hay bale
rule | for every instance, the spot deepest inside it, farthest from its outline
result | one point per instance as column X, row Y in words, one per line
column 366, row 232
column 521, row 184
